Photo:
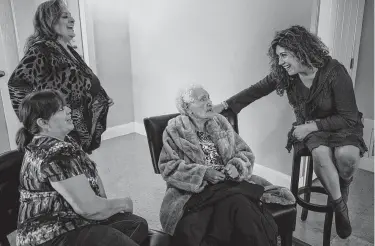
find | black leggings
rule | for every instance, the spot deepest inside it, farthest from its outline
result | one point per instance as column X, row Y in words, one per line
column 232, row 222
column 123, row 229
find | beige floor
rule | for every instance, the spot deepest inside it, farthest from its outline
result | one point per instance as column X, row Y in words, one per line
column 361, row 212
column 126, row 169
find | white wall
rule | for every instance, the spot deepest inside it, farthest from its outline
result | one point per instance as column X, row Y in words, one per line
column 4, row 142
column 364, row 85
column 222, row 45
column 23, row 13
column 112, row 54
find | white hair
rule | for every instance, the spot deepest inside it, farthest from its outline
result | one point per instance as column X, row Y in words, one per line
column 185, row 97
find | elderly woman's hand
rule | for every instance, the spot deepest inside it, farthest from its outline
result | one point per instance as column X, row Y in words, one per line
column 214, row 176
column 232, row 171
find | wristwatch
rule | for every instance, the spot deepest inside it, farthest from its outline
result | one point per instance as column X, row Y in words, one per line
column 225, row 104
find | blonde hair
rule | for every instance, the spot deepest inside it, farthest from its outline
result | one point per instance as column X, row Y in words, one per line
column 46, row 16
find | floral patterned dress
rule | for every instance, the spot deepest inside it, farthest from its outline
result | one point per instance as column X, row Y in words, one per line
column 44, row 214
column 212, row 157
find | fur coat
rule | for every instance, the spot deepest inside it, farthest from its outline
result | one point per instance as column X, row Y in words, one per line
column 181, row 165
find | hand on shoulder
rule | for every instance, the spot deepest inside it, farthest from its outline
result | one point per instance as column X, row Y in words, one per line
column 218, row 108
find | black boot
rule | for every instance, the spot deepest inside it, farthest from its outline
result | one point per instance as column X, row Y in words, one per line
column 343, row 227
column 344, row 188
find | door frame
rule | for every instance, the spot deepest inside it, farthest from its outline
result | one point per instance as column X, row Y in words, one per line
column 327, row 10
column 87, row 33
column 10, row 56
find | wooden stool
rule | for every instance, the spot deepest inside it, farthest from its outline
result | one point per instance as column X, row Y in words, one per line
column 306, row 191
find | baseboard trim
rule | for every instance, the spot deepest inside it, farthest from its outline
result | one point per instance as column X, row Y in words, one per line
column 273, row 176
column 366, row 164
column 118, row 131
column 139, row 128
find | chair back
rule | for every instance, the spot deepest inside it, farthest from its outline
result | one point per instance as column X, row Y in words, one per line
column 155, row 127
column 10, row 166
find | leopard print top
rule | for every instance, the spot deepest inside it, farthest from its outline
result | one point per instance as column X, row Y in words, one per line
column 47, row 65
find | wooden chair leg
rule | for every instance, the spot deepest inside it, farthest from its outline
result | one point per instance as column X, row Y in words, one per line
column 287, row 239
column 307, row 195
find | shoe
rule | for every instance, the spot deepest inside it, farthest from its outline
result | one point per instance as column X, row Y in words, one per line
column 343, row 227
column 344, row 188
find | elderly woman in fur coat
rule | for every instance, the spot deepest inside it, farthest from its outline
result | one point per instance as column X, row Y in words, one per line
column 202, row 155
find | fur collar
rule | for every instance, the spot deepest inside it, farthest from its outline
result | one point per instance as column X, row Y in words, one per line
column 184, row 135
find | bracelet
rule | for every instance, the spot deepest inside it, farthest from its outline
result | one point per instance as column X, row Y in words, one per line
column 225, row 104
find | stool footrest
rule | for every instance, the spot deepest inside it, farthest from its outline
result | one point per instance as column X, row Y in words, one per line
column 311, row 206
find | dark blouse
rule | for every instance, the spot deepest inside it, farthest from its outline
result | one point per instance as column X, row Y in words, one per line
column 44, row 214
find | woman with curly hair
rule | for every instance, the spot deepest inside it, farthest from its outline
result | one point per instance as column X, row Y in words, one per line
column 328, row 122
column 50, row 62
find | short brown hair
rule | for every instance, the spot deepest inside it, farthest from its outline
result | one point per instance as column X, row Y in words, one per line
column 39, row 104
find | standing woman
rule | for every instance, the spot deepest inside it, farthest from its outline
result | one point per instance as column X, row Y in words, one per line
column 321, row 93
column 51, row 63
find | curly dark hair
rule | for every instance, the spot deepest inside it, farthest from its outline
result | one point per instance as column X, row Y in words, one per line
column 304, row 45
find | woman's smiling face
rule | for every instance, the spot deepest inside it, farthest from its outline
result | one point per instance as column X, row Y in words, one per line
column 289, row 61
column 65, row 25
column 60, row 122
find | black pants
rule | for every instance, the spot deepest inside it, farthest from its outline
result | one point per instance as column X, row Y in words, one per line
column 233, row 221
column 125, row 229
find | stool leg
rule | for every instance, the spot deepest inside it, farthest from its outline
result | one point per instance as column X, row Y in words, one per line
column 295, row 173
column 327, row 226
column 307, row 195
column 287, row 239
column 4, row 241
